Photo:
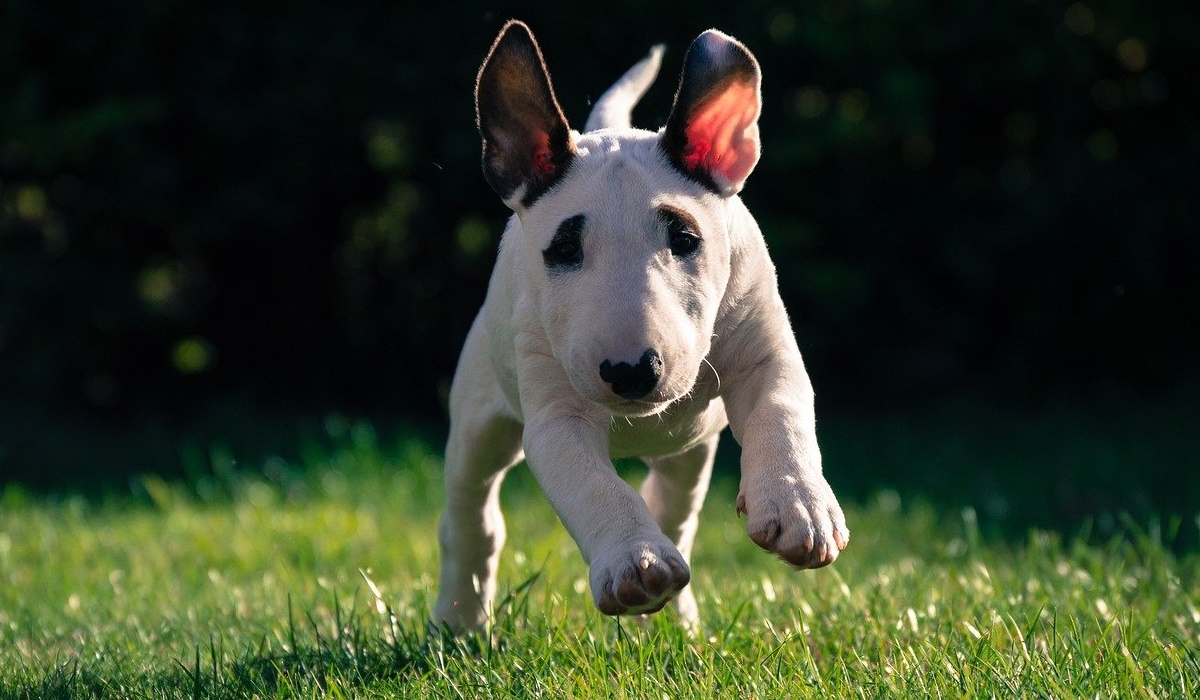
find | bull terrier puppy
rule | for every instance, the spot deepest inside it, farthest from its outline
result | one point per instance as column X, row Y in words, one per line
column 633, row 311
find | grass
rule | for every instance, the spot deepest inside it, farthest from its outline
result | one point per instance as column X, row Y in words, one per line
column 313, row 578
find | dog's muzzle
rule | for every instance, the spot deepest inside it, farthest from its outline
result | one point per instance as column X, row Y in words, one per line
column 633, row 381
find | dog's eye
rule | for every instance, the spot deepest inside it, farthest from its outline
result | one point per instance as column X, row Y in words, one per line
column 564, row 252
column 681, row 235
column 566, row 248
column 684, row 244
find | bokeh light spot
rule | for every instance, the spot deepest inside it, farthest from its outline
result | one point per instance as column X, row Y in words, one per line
column 782, row 26
column 473, row 236
column 1015, row 176
column 811, row 102
column 192, row 355
column 1020, row 127
column 1102, row 145
column 159, row 286
column 852, row 105
column 1079, row 19
column 386, row 147
column 917, row 150
column 31, row 203
column 1131, row 53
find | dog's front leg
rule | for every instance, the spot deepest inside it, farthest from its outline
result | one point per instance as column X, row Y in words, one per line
column 789, row 506
column 634, row 567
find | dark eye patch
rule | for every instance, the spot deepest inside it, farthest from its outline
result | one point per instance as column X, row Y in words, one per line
column 565, row 251
column 683, row 235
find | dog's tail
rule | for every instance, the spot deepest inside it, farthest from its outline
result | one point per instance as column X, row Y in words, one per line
column 615, row 106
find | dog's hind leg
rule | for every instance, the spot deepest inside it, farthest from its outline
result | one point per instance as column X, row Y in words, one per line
column 674, row 492
column 484, row 443
column 471, row 532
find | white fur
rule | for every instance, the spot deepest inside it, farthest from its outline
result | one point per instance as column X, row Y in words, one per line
column 528, row 386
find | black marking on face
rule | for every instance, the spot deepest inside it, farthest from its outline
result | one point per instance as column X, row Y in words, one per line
column 565, row 252
column 683, row 235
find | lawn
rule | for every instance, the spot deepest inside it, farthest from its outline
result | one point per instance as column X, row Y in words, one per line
column 312, row 577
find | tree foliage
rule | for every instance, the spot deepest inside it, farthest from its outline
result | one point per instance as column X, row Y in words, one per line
column 283, row 199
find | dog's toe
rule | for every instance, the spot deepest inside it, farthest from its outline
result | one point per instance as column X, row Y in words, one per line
column 640, row 584
column 805, row 528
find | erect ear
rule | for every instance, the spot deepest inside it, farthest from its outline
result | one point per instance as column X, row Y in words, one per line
column 712, row 133
column 527, row 144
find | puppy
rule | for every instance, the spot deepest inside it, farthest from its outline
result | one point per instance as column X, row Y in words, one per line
column 633, row 311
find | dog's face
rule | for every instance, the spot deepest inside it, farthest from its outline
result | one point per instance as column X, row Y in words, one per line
column 627, row 262
column 623, row 232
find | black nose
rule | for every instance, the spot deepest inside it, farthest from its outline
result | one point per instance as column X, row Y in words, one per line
column 633, row 381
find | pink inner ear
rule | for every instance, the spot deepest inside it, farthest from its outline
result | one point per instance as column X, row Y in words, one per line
column 543, row 161
column 721, row 140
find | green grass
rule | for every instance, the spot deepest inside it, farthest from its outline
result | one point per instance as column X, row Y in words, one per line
column 314, row 579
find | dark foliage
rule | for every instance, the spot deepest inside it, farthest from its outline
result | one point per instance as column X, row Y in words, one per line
column 283, row 200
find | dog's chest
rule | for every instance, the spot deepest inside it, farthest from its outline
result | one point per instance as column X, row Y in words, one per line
column 685, row 425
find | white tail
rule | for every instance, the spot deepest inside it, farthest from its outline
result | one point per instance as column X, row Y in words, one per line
column 613, row 109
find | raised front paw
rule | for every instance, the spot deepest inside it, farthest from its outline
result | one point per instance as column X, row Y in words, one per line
column 797, row 518
column 638, row 579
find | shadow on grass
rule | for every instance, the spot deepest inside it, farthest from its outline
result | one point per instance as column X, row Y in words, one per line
column 56, row 453
column 1081, row 465
column 1094, row 468
column 315, row 668
column 310, row 663
column 359, row 649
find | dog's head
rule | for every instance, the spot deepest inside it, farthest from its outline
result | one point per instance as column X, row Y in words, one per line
column 624, row 233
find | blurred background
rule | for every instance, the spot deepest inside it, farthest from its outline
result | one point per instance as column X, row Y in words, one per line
column 225, row 222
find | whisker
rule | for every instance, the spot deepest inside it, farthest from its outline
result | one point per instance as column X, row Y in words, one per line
column 714, row 371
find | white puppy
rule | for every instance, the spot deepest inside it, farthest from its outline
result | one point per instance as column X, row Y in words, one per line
column 633, row 311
